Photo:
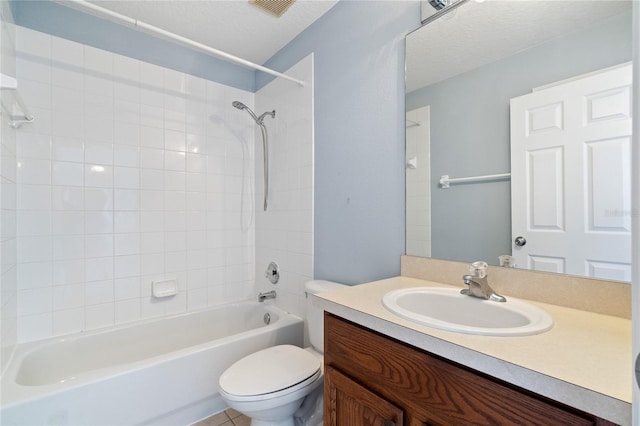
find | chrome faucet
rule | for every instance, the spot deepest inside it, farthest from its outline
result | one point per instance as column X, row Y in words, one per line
column 268, row 295
column 478, row 285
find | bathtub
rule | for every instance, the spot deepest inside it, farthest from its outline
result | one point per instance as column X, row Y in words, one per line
column 161, row 372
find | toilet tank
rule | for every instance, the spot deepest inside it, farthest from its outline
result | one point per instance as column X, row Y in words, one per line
column 315, row 318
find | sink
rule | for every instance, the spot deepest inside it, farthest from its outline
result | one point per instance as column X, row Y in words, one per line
column 447, row 309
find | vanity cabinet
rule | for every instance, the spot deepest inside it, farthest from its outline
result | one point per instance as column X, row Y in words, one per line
column 371, row 379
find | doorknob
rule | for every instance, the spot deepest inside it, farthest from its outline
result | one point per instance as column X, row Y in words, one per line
column 638, row 370
column 520, row 241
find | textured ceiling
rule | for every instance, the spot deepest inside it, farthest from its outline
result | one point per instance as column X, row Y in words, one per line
column 233, row 26
column 480, row 33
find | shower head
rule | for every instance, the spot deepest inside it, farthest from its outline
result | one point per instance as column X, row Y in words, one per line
column 258, row 120
column 238, row 104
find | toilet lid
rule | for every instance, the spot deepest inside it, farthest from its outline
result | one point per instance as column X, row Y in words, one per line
column 269, row 370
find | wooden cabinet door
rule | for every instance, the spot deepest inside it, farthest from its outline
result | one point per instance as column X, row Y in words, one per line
column 349, row 404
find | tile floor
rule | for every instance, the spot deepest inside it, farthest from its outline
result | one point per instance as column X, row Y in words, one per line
column 228, row 417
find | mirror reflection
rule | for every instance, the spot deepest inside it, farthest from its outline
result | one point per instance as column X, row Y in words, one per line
column 531, row 101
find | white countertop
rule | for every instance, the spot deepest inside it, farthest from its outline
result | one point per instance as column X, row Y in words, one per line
column 584, row 361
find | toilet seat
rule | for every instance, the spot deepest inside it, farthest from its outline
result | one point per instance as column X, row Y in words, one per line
column 270, row 373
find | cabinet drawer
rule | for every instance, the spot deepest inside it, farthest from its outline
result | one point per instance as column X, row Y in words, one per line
column 433, row 390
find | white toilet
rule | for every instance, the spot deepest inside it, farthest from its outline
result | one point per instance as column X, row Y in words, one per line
column 271, row 384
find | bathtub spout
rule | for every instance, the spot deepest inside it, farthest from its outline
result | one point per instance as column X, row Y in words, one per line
column 268, row 295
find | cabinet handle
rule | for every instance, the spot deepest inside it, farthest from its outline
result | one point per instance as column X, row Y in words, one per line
column 389, row 423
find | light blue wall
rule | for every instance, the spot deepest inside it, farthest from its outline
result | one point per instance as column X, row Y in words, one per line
column 359, row 135
column 52, row 18
column 470, row 134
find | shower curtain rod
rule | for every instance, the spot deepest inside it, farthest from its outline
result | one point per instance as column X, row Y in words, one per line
column 98, row 10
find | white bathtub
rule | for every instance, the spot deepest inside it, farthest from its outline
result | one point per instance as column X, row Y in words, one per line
column 161, row 372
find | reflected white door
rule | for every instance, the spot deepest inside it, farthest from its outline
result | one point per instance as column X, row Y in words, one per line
column 571, row 176
column 418, row 183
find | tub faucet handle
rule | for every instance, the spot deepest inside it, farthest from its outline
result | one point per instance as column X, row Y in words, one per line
column 268, row 295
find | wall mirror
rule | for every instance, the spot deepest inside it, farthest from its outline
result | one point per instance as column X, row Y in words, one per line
column 531, row 100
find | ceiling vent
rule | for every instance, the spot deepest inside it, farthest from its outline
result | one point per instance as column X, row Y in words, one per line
column 274, row 7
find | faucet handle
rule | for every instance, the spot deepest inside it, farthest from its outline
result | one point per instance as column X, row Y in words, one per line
column 478, row 269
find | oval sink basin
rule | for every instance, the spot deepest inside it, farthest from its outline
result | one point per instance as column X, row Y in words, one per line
column 447, row 309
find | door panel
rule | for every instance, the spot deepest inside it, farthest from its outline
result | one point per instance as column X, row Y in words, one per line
column 571, row 176
column 348, row 403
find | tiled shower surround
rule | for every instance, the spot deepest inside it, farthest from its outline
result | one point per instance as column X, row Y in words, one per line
column 130, row 173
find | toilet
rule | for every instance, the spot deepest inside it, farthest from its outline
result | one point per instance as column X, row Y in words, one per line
column 270, row 385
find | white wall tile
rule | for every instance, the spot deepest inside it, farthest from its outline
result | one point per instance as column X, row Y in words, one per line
column 34, row 248
column 151, row 116
column 99, row 316
column 115, row 192
column 96, row 175
column 68, row 272
column 126, row 177
column 98, row 269
column 35, row 93
column 35, row 327
column 71, row 100
column 197, row 299
column 127, row 266
column 127, row 288
column 98, row 222
column 126, row 115
column 67, row 174
column 126, row 69
column 127, row 244
column 175, row 241
column 99, row 128
column 68, row 321
column 98, row 199
column 152, row 263
column 68, row 296
column 151, row 242
column 98, row 153
column 151, row 158
column 34, row 275
column 151, row 137
column 175, row 140
column 61, row 198
column 126, row 199
column 33, row 171
column 151, row 179
column 68, row 247
column 98, row 106
column 99, row 292
column 126, row 155
column 99, row 245
column 67, row 223
column 65, row 149
column 174, row 181
column 151, row 200
column 174, row 160
column 33, row 70
column 67, row 76
column 127, row 311
column 35, row 222
column 35, row 301
column 126, row 222
column 65, row 122
column 174, row 201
